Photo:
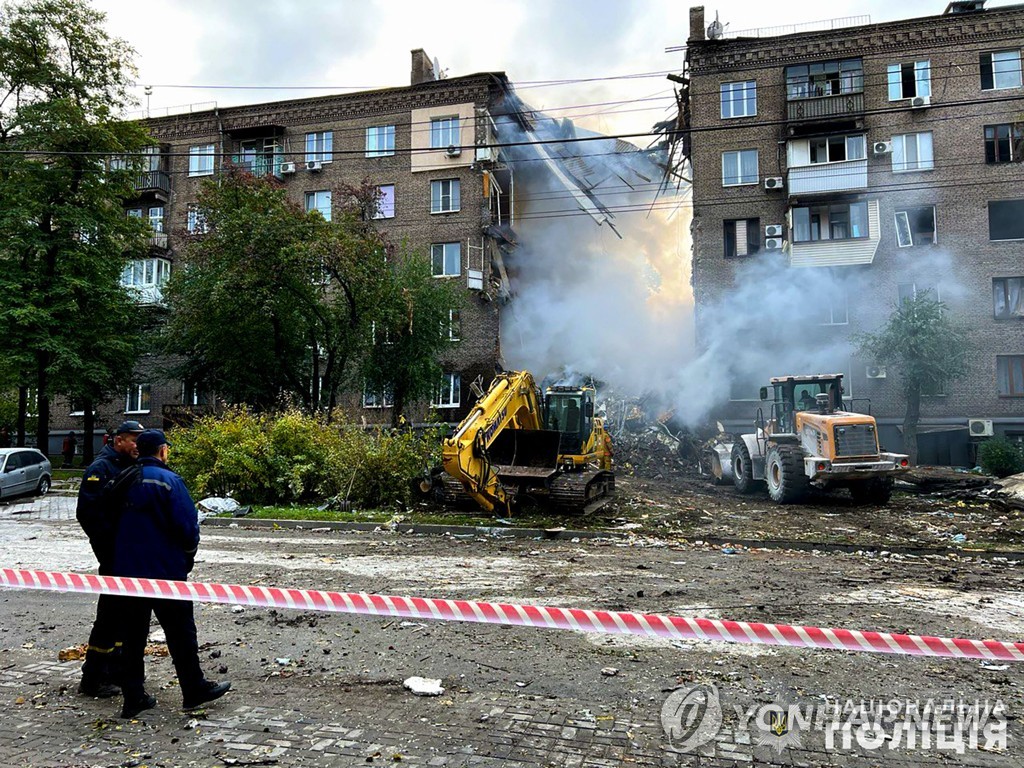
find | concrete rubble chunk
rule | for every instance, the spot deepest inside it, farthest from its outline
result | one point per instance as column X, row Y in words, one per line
column 424, row 686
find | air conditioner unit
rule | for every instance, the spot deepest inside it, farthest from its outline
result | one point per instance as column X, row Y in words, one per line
column 875, row 372
column 453, row 151
column 314, row 165
column 287, row 168
column 773, row 230
column 882, row 147
column 773, row 244
column 921, row 101
column 484, row 154
column 980, row 427
column 773, row 182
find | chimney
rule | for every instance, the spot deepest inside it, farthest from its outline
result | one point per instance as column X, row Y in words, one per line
column 697, row 23
column 422, row 68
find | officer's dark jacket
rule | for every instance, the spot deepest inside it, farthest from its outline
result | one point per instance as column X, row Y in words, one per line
column 158, row 533
column 94, row 513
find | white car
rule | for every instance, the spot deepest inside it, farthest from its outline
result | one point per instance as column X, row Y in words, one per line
column 23, row 470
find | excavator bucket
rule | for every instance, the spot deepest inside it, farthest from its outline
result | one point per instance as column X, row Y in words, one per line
column 525, row 456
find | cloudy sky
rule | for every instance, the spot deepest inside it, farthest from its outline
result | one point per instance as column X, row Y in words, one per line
column 347, row 44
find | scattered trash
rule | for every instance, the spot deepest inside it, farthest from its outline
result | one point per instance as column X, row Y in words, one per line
column 74, row 653
column 237, row 609
column 728, row 551
column 284, row 662
column 995, row 667
column 958, row 538
column 610, row 671
column 422, row 686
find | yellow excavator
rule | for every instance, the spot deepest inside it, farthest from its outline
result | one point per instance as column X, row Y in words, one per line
column 516, row 444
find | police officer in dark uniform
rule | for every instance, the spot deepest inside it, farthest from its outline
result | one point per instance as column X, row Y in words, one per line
column 96, row 516
column 157, row 538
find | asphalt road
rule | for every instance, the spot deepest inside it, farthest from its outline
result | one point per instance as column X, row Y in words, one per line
column 327, row 689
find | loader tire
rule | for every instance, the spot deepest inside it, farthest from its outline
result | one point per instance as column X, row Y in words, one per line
column 875, row 491
column 784, row 474
column 743, row 469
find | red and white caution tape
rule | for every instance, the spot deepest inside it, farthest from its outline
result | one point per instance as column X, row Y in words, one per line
column 545, row 617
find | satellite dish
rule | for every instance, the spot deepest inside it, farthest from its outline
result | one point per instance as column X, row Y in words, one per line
column 716, row 29
column 439, row 74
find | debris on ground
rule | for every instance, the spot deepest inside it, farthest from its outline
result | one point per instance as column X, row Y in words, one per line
column 1010, row 491
column 424, row 686
column 74, row 653
column 216, row 505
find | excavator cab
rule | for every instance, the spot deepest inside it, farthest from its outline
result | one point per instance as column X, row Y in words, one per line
column 569, row 411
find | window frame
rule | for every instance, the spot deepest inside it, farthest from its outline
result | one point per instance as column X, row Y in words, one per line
column 900, row 79
column 312, row 195
column 199, row 156
column 910, row 230
column 389, row 141
column 1015, row 388
column 729, row 88
column 1020, row 220
column 445, row 127
column 195, row 221
column 386, row 399
column 855, row 76
column 438, row 196
column 383, row 210
column 453, row 381
column 739, row 168
column 828, row 208
column 1014, row 138
column 991, row 65
column 444, row 259
column 758, row 247
column 143, row 392
column 828, row 147
column 901, row 139
column 159, row 228
column 452, row 330
column 1007, row 315
column 845, row 297
column 322, row 150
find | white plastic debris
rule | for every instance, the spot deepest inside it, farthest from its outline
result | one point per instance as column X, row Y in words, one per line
column 217, row 505
column 237, row 609
column 423, row 686
column 610, row 671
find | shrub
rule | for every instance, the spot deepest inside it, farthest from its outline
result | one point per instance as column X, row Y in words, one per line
column 1001, row 457
column 290, row 457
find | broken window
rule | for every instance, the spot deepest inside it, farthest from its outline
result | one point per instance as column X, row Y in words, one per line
column 912, row 152
column 1010, row 375
column 739, row 99
column 195, row 221
column 1006, row 220
column 915, row 226
column 840, row 221
column 444, row 196
column 1004, row 143
column 1000, row 69
column 380, row 141
column 909, row 79
column 1008, row 298
column 836, row 149
column 826, row 78
column 742, row 237
column 446, row 259
column 739, row 167
column 449, row 393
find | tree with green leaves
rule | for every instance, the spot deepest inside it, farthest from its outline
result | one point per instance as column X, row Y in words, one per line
column 65, row 319
column 927, row 348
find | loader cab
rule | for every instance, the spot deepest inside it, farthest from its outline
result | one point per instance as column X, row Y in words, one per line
column 570, row 411
column 800, row 393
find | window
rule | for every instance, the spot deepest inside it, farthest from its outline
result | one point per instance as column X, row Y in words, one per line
column 444, row 132
column 200, row 160
column 444, row 196
column 1008, row 298
column 739, row 99
column 156, row 219
column 835, row 311
column 319, row 201
column 452, row 330
column 446, row 259
column 320, row 147
column 739, row 167
column 380, row 141
column 192, row 394
column 385, row 202
column 196, row 222
column 377, row 399
column 151, row 159
column 912, row 152
column 742, row 237
column 910, row 79
column 915, row 226
column 137, row 400
column 1004, row 143
column 1010, row 375
column 913, row 291
column 933, row 388
column 449, row 395
column 836, row 149
column 134, row 213
column 827, row 78
column 146, row 273
column 842, row 221
column 1000, row 69
column 1006, row 220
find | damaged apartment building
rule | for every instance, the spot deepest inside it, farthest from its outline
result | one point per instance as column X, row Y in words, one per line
column 448, row 189
column 886, row 157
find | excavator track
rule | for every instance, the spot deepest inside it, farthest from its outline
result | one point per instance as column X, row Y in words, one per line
column 581, row 493
column 450, row 493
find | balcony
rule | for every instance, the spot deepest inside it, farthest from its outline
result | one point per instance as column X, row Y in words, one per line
column 158, row 241
column 820, row 108
column 845, row 176
column 845, row 252
column 259, row 165
column 154, row 182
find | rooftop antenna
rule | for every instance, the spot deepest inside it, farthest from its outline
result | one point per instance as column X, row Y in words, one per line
column 716, row 29
column 439, row 74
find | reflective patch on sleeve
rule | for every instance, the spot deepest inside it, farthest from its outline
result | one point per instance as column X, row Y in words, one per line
column 92, row 478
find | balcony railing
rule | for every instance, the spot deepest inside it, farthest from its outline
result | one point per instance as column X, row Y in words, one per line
column 147, row 295
column 825, row 107
column 261, row 165
column 153, row 181
column 158, row 240
column 828, row 177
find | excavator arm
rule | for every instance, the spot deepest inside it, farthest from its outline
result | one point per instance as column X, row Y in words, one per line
column 512, row 402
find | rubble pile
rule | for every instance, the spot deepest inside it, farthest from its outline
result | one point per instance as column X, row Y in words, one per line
column 651, row 453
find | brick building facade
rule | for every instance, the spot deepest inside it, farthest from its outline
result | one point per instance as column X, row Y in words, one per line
column 444, row 196
column 886, row 157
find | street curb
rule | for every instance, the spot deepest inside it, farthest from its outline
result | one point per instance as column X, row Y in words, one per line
column 560, row 534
